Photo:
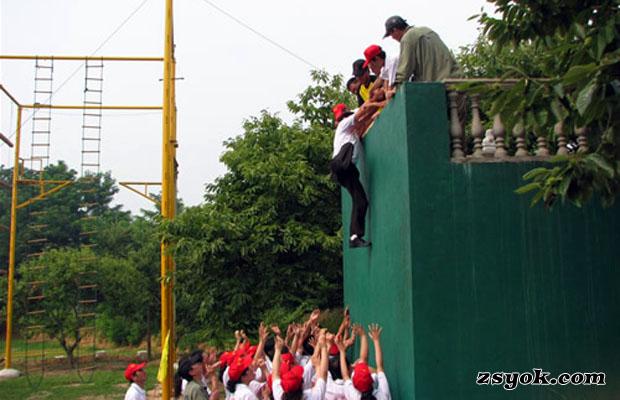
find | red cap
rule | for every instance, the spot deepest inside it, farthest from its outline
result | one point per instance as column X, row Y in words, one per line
column 226, row 358
column 251, row 351
column 362, row 380
column 371, row 52
column 339, row 110
column 132, row 369
column 240, row 364
column 292, row 379
column 288, row 359
column 333, row 350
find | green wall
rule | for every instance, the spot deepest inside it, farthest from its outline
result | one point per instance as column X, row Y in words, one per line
column 465, row 276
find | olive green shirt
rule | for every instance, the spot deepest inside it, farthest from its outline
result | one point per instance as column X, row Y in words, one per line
column 425, row 57
column 193, row 391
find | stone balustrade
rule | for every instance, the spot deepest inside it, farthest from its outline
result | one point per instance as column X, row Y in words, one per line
column 471, row 142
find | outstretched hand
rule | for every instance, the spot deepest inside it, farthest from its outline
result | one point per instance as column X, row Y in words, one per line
column 314, row 317
column 279, row 343
column 263, row 333
column 374, row 331
column 358, row 330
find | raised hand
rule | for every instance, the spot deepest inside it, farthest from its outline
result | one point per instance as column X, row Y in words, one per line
column 276, row 330
column 279, row 343
column 350, row 341
column 358, row 330
column 340, row 344
column 314, row 317
column 374, row 331
column 263, row 333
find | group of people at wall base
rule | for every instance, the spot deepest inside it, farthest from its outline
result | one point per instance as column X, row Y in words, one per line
column 307, row 363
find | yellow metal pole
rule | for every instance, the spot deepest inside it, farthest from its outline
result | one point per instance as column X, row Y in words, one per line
column 168, row 202
column 77, row 58
column 72, row 107
column 13, row 230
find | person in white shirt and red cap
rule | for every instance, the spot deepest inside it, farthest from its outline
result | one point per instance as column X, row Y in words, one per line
column 135, row 374
column 363, row 384
column 347, row 147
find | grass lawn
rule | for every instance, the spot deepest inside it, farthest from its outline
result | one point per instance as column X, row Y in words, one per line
column 107, row 383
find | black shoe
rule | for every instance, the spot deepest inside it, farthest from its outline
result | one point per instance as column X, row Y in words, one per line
column 358, row 242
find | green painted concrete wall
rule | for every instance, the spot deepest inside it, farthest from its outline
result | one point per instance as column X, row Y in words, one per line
column 466, row 277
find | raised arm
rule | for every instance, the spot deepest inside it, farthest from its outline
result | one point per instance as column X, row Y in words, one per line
column 312, row 321
column 275, row 371
column 374, row 331
column 344, row 368
column 359, row 331
column 346, row 321
column 322, row 343
column 263, row 333
column 295, row 344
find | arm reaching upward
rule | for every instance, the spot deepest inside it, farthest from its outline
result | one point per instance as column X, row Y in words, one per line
column 322, row 343
column 344, row 368
column 263, row 333
column 374, row 331
column 275, row 370
column 359, row 331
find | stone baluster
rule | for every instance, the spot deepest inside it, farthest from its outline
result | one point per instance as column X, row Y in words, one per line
column 582, row 139
column 499, row 132
column 476, row 125
column 558, row 129
column 518, row 131
column 456, row 130
column 542, row 147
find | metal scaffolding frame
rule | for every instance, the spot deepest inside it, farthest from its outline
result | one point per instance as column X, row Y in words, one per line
column 169, row 145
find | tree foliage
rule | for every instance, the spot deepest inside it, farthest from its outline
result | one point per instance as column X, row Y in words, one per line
column 126, row 247
column 267, row 237
column 575, row 45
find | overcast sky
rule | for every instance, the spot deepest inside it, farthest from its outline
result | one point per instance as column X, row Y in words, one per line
column 230, row 73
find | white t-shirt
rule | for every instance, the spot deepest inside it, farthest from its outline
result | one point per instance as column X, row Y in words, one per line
column 225, row 379
column 135, row 392
column 247, row 392
column 388, row 71
column 316, row 393
column 335, row 389
column 381, row 391
column 308, row 375
column 344, row 134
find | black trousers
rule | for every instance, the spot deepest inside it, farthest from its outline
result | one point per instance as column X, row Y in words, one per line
column 346, row 174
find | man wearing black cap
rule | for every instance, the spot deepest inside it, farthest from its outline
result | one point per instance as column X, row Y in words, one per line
column 362, row 74
column 423, row 55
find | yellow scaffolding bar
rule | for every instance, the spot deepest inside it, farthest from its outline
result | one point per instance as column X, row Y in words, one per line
column 77, row 58
column 144, row 194
column 9, row 95
column 12, row 238
column 72, row 107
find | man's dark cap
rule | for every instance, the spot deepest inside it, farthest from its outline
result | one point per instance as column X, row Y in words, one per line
column 392, row 23
column 358, row 68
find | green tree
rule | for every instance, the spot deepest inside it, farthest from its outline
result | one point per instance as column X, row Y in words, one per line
column 120, row 293
column 59, row 217
column 267, row 237
column 575, row 44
